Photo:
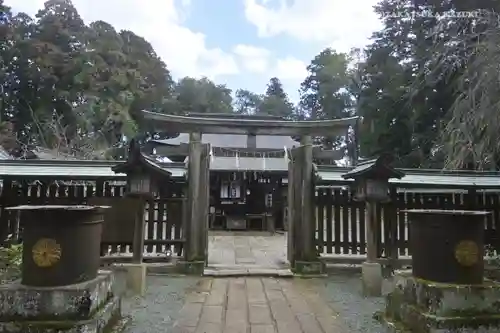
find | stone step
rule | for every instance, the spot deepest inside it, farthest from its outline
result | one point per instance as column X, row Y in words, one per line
column 228, row 271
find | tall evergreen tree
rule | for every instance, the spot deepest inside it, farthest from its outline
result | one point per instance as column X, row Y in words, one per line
column 275, row 101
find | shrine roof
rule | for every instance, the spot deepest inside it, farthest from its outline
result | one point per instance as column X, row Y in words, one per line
column 422, row 178
column 73, row 169
column 373, row 168
column 140, row 161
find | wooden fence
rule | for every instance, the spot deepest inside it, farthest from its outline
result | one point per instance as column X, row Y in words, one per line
column 340, row 220
column 163, row 230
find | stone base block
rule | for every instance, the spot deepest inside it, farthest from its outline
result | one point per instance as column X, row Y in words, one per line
column 136, row 278
column 371, row 276
column 88, row 307
column 73, row 302
column 421, row 306
column 309, row 268
column 191, row 267
column 106, row 320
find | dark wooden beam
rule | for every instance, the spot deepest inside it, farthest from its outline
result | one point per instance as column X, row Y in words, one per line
column 164, row 122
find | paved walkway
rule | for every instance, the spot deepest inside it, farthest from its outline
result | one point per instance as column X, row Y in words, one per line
column 257, row 305
column 247, row 249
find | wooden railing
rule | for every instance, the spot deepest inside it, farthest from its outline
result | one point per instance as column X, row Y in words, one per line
column 163, row 217
column 340, row 221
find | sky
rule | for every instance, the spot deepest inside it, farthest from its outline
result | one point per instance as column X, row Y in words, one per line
column 240, row 43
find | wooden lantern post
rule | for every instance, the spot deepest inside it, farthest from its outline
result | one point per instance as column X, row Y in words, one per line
column 143, row 175
column 371, row 184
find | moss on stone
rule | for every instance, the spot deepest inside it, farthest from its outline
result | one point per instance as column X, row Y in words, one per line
column 486, row 284
column 61, row 318
column 112, row 325
column 306, row 268
column 191, row 267
column 395, row 325
column 420, row 322
column 118, row 327
column 65, row 326
column 423, row 306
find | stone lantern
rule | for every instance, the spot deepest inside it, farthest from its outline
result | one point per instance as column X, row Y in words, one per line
column 371, row 184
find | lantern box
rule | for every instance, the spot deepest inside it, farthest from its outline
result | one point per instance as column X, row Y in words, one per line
column 140, row 183
column 371, row 179
column 372, row 189
column 143, row 173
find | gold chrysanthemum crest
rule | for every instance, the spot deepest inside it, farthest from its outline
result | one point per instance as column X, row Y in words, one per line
column 46, row 252
column 467, row 253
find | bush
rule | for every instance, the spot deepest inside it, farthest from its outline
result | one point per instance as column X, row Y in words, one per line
column 491, row 256
column 11, row 259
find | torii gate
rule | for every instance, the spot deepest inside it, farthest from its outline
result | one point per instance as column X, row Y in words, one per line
column 302, row 253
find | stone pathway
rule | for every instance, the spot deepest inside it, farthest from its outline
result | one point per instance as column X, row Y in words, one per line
column 257, row 305
column 247, row 248
column 158, row 310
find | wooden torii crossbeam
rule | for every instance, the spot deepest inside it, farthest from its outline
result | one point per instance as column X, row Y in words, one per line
column 165, row 122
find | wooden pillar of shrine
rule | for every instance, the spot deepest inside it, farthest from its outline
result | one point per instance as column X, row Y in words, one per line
column 302, row 252
column 197, row 206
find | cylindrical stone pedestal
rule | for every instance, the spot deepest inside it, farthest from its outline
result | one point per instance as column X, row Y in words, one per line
column 447, row 246
column 61, row 244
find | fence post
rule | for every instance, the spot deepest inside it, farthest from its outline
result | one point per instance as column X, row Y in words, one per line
column 6, row 199
column 392, row 215
column 470, row 199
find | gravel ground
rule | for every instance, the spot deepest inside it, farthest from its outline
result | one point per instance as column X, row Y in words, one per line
column 343, row 293
column 157, row 311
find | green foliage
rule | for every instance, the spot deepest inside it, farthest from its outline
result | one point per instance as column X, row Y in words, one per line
column 12, row 256
column 246, row 102
column 275, row 101
column 324, row 92
column 75, row 88
column 425, row 87
column 469, row 58
column 202, row 96
column 491, row 255
column 11, row 259
column 413, row 88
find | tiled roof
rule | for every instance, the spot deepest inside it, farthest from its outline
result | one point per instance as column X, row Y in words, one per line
column 423, row 178
column 80, row 169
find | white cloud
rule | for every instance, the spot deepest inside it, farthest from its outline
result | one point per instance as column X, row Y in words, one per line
column 252, row 58
column 290, row 68
column 339, row 24
column 262, row 61
column 160, row 22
